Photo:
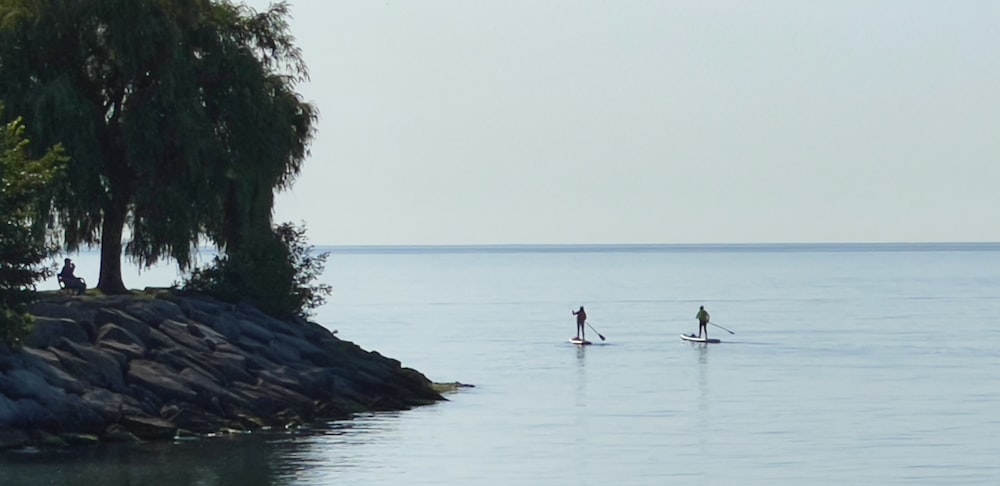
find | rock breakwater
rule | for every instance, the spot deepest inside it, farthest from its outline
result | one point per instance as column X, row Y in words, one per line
column 158, row 365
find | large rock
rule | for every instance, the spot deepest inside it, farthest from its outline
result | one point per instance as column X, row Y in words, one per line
column 47, row 364
column 232, row 366
column 254, row 331
column 180, row 333
column 198, row 420
column 149, row 428
column 113, row 406
column 76, row 310
column 103, row 366
column 155, row 311
column 136, row 327
column 160, row 380
column 49, row 331
column 29, row 401
column 210, row 393
column 125, row 350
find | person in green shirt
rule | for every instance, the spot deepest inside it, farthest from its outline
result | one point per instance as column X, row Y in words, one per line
column 703, row 318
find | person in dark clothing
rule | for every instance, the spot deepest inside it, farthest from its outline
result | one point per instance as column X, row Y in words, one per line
column 581, row 319
column 71, row 281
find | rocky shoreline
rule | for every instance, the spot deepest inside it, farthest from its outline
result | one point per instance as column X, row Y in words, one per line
column 156, row 366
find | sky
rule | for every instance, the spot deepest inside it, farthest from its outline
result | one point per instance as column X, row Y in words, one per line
column 457, row 122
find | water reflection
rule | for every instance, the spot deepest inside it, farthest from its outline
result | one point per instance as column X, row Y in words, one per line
column 252, row 459
column 215, row 462
column 704, row 399
column 342, row 446
column 581, row 377
column 703, row 387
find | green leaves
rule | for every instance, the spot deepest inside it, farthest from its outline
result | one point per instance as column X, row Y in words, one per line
column 181, row 118
column 25, row 243
column 276, row 274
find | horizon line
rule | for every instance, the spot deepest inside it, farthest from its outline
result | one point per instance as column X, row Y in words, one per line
column 684, row 243
column 956, row 245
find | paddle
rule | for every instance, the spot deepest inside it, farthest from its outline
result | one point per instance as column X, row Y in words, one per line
column 595, row 330
column 720, row 327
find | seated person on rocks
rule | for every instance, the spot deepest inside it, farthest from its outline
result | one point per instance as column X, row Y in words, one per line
column 70, row 281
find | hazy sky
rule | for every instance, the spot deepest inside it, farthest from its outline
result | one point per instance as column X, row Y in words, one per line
column 497, row 122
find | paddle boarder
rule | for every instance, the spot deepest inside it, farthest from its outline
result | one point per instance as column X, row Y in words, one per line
column 581, row 319
column 703, row 319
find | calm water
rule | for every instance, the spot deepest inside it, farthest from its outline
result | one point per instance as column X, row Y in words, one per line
column 849, row 365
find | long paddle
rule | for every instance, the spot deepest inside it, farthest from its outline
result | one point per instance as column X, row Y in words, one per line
column 720, row 327
column 595, row 330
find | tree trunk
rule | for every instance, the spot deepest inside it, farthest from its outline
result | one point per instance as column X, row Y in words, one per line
column 110, row 281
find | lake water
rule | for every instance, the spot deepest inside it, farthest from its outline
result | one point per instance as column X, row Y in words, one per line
column 848, row 364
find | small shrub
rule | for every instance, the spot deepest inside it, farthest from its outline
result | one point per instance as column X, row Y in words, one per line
column 25, row 236
column 276, row 274
column 14, row 326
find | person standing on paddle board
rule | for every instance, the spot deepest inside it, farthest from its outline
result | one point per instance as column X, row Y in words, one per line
column 581, row 319
column 703, row 319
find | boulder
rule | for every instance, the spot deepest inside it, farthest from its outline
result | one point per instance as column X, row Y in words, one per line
column 160, row 380
column 49, row 331
column 25, row 413
column 92, row 365
column 284, row 377
column 199, row 421
column 113, row 406
column 220, row 324
column 254, row 331
column 149, row 428
column 267, row 399
column 251, row 346
column 26, row 400
column 70, row 308
column 283, row 352
column 127, row 351
column 23, row 383
column 232, row 366
column 124, row 320
column 46, row 364
column 114, row 332
column 155, row 311
column 181, row 334
column 209, row 391
column 118, row 433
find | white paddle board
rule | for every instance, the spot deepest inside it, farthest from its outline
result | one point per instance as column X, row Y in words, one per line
column 696, row 339
column 578, row 341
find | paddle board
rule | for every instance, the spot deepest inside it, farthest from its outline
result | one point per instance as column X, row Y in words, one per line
column 696, row 339
column 578, row 341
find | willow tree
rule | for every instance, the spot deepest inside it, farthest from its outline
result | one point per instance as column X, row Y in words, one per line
column 180, row 116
